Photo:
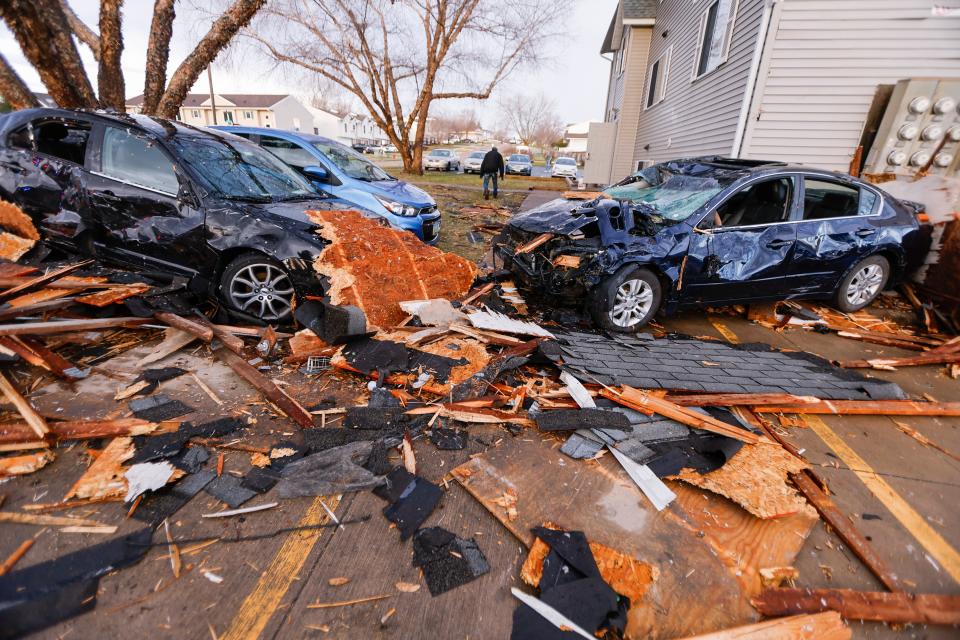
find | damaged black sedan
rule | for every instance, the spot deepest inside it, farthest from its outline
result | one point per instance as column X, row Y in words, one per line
column 168, row 198
column 715, row 231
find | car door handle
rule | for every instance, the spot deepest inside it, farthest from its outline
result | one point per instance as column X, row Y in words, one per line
column 776, row 244
column 863, row 233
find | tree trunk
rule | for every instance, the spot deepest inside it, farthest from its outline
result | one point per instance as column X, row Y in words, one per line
column 44, row 36
column 233, row 19
column 158, row 53
column 13, row 88
column 109, row 74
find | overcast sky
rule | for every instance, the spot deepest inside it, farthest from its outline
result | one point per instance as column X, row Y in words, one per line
column 575, row 79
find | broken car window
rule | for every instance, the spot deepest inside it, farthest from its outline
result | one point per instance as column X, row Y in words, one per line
column 132, row 159
column 826, row 199
column 290, row 152
column 351, row 163
column 62, row 139
column 240, row 170
column 763, row 202
column 673, row 196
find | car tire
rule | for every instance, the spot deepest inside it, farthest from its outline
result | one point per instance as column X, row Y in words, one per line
column 259, row 286
column 635, row 291
column 862, row 284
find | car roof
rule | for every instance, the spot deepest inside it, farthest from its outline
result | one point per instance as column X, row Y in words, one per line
column 162, row 128
column 279, row 133
column 746, row 167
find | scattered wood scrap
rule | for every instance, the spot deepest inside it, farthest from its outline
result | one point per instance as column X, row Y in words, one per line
column 818, row 626
column 865, row 408
column 527, row 247
column 924, row 440
column 567, row 262
column 277, row 396
column 756, row 479
column 903, row 608
column 738, row 399
column 581, row 195
column 66, row 326
column 46, row 521
column 34, row 419
column 104, row 478
column 41, row 281
column 495, row 321
column 14, row 557
column 845, row 529
column 947, row 353
column 24, row 464
column 17, row 233
column 626, row 575
column 649, row 403
column 15, row 437
column 114, row 295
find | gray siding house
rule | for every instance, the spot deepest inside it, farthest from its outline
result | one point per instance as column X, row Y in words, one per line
column 790, row 80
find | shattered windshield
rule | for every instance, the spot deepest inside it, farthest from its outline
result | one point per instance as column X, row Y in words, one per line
column 239, row 170
column 672, row 195
column 351, row 163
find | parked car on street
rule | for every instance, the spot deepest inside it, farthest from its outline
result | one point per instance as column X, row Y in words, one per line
column 519, row 164
column 359, row 147
column 337, row 170
column 165, row 197
column 472, row 163
column 441, row 160
column 715, row 231
column 564, row 167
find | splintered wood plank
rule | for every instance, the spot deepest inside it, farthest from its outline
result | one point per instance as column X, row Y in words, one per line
column 599, row 499
column 114, row 294
column 921, row 608
column 68, row 326
column 819, row 626
column 756, row 479
column 104, row 478
column 865, row 407
column 13, row 434
column 34, row 419
column 22, row 465
column 40, row 281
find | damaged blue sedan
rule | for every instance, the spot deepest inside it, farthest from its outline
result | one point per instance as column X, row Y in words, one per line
column 715, row 231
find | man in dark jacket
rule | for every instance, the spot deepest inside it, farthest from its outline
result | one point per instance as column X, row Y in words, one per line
column 491, row 166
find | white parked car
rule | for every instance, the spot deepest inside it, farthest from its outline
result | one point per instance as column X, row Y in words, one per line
column 441, row 160
column 564, row 168
column 472, row 163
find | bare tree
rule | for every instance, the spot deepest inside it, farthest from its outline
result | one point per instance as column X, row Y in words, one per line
column 533, row 118
column 397, row 57
column 48, row 32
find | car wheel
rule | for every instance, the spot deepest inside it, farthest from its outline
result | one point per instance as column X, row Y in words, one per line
column 257, row 285
column 626, row 301
column 863, row 284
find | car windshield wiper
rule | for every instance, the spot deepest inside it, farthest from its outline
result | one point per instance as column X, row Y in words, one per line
column 250, row 198
column 301, row 196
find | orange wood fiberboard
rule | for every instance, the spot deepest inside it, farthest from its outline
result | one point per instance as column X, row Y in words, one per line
column 707, row 551
column 375, row 267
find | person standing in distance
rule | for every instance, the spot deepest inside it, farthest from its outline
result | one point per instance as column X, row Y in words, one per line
column 491, row 166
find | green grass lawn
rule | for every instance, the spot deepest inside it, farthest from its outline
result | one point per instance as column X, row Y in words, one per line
column 473, row 180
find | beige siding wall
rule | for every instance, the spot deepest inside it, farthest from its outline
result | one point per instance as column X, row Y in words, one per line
column 696, row 117
column 631, row 102
column 822, row 66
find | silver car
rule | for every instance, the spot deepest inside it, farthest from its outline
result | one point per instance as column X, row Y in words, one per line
column 472, row 163
column 441, row 160
column 564, row 168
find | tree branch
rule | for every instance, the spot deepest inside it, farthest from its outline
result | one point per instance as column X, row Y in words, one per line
column 109, row 74
column 226, row 26
column 158, row 54
column 80, row 29
column 14, row 89
column 44, row 36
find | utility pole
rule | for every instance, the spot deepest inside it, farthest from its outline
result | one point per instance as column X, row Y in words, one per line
column 213, row 102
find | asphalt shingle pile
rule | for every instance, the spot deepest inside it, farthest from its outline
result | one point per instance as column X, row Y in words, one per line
column 688, row 364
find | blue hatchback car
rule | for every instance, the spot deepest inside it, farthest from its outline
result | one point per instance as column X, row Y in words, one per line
column 340, row 171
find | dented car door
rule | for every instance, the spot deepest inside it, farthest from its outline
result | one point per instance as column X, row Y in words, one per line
column 743, row 248
column 138, row 206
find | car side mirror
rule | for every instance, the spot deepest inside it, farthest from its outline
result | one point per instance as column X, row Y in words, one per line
column 317, row 172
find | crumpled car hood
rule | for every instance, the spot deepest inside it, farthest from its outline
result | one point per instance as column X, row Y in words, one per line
column 555, row 216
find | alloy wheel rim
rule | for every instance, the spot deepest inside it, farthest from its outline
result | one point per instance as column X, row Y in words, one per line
column 865, row 284
column 632, row 303
column 262, row 290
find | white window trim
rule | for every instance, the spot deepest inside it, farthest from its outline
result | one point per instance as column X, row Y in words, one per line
column 664, row 60
column 728, row 38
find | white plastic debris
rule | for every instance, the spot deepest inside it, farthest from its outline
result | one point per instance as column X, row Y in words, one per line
column 212, row 577
column 146, row 476
column 493, row 321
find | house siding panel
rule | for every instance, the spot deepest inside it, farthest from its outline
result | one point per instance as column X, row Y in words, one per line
column 699, row 116
column 631, row 105
column 823, row 66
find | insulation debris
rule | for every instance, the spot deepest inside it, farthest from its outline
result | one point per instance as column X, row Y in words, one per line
column 146, row 476
column 375, row 268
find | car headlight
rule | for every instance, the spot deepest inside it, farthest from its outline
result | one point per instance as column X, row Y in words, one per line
column 397, row 208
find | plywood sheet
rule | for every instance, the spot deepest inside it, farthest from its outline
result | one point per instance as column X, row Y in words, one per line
column 376, row 268
column 756, row 479
column 697, row 589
